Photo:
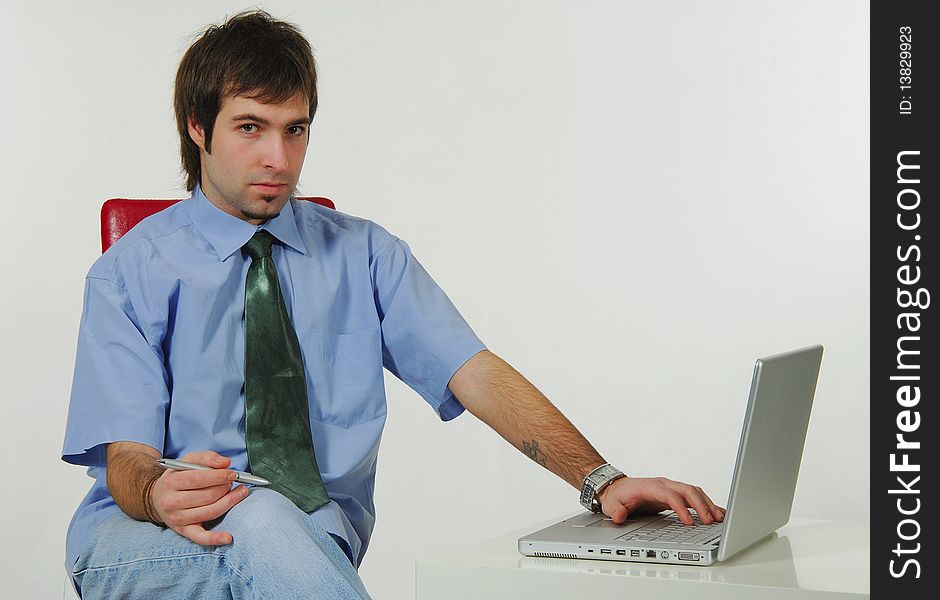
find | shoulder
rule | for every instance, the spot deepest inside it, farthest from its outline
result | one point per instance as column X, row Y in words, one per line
column 332, row 227
column 143, row 241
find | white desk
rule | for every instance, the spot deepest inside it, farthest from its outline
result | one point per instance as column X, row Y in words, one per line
column 805, row 559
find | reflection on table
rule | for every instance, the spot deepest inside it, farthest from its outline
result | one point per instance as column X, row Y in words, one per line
column 805, row 559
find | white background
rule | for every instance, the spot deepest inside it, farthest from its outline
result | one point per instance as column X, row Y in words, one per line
column 629, row 202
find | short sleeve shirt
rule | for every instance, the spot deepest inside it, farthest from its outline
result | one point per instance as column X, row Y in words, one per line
column 160, row 356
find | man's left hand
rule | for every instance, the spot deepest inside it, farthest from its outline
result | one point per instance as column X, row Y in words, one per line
column 642, row 495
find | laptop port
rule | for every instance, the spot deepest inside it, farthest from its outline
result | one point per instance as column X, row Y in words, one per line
column 605, row 550
column 621, row 552
column 688, row 556
column 650, row 554
column 634, row 553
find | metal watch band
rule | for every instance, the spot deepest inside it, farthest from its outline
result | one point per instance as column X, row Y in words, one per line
column 596, row 481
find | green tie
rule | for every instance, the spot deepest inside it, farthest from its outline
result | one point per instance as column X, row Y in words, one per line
column 277, row 421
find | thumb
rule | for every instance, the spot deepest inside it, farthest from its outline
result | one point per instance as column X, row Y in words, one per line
column 613, row 499
column 613, row 507
column 618, row 513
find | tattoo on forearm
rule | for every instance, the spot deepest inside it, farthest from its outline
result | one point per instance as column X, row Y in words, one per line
column 532, row 450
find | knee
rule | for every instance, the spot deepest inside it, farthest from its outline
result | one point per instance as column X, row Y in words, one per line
column 264, row 517
column 275, row 547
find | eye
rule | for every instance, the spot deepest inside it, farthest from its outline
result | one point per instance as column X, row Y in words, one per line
column 296, row 130
column 248, row 127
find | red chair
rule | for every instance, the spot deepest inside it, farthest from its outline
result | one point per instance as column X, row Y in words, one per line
column 119, row 215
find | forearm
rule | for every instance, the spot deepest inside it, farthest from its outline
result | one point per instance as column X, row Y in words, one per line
column 502, row 398
column 132, row 469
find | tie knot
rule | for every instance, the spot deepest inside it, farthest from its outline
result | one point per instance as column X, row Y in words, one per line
column 259, row 245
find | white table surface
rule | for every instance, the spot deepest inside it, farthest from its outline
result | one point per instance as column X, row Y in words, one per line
column 805, row 559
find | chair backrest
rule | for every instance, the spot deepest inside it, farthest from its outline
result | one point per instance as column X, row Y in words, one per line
column 119, row 215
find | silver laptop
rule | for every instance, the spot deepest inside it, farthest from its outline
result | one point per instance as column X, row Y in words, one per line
column 765, row 473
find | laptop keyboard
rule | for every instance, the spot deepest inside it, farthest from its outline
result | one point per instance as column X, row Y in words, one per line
column 670, row 529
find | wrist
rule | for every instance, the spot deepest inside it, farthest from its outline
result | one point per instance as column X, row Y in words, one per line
column 149, row 510
column 596, row 483
column 601, row 494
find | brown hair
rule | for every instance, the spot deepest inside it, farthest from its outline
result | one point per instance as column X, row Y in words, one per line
column 251, row 54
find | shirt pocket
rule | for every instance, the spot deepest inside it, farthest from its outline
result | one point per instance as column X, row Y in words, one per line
column 345, row 383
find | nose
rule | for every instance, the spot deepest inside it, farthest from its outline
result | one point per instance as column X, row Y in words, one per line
column 275, row 154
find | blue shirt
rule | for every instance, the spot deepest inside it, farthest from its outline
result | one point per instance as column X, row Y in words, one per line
column 160, row 356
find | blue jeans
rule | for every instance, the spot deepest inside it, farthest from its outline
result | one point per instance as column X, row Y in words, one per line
column 277, row 552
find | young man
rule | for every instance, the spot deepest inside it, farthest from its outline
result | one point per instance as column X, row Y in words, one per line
column 243, row 330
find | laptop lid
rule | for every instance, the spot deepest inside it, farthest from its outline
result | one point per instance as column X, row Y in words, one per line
column 771, row 447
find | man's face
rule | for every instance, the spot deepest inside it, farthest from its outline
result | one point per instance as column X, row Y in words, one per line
column 257, row 153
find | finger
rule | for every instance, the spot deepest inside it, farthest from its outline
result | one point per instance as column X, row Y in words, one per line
column 677, row 503
column 712, row 507
column 208, row 458
column 197, row 533
column 218, row 508
column 196, row 479
column 169, row 504
column 693, row 497
column 183, row 499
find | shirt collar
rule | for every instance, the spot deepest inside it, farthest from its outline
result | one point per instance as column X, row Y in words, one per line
column 227, row 233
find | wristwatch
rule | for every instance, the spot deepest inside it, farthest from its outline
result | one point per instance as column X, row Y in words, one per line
column 596, row 481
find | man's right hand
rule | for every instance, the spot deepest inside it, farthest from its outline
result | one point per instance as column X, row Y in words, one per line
column 184, row 500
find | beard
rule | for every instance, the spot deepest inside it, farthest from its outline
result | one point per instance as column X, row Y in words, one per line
column 272, row 205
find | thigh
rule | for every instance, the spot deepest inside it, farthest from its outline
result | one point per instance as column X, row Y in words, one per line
column 134, row 559
column 276, row 553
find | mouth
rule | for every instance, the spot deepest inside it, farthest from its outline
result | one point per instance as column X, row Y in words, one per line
column 270, row 188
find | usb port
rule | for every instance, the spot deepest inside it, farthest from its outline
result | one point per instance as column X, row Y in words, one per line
column 634, row 553
column 605, row 550
column 621, row 552
column 688, row 556
column 650, row 554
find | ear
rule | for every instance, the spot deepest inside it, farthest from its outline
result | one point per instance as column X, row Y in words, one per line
column 196, row 133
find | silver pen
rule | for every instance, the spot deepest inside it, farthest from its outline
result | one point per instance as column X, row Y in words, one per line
column 241, row 476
